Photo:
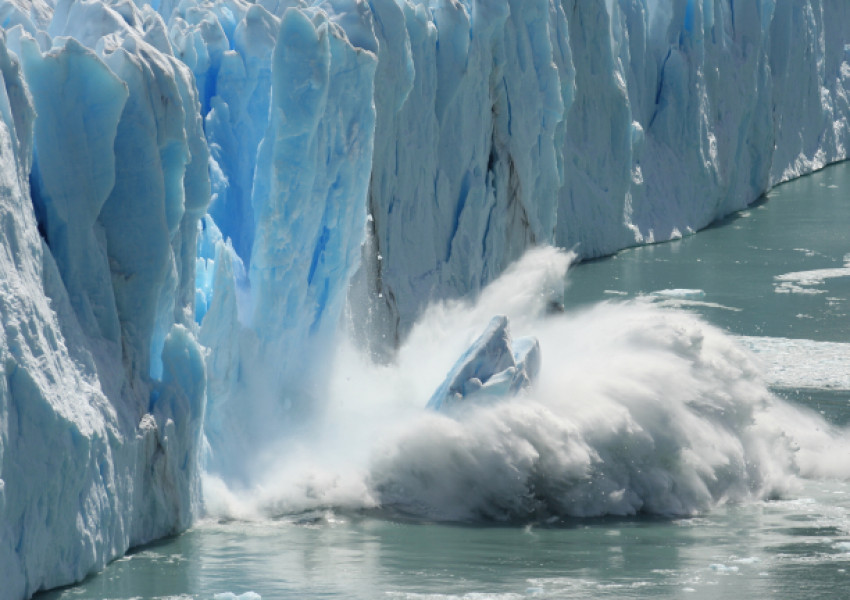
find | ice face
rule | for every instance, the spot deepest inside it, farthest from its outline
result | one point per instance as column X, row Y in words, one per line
column 106, row 176
column 360, row 160
column 629, row 122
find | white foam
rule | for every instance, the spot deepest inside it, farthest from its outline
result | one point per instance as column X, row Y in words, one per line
column 721, row 568
column 637, row 409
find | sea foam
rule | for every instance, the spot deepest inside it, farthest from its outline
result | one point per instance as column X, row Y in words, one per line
column 637, row 409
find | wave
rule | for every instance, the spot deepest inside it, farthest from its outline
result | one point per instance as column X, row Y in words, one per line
column 637, row 409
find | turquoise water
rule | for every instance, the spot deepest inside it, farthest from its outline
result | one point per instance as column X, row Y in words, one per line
column 765, row 550
column 800, row 227
column 774, row 274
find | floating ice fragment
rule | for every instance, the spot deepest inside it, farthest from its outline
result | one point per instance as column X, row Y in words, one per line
column 679, row 293
column 806, row 282
column 799, row 363
column 749, row 560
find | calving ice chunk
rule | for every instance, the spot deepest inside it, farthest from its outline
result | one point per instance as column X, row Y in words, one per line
column 493, row 367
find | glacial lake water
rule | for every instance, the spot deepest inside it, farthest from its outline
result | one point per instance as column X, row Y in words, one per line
column 777, row 274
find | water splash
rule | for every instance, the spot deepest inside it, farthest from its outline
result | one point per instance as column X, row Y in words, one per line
column 638, row 409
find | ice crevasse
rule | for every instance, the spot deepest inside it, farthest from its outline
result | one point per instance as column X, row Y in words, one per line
column 195, row 193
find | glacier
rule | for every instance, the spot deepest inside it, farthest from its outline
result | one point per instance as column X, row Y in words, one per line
column 201, row 198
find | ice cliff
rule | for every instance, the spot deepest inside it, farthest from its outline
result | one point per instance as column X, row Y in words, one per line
column 104, row 171
column 197, row 194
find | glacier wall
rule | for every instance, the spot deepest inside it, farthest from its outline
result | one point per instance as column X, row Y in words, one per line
column 105, row 175
column 610, row 124
column 197, row 194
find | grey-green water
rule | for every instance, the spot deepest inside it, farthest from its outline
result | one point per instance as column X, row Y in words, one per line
column 800, row 227
column 776, row 274
column 788, row 549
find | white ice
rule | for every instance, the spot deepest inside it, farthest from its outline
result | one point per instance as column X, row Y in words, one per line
column 808, row 282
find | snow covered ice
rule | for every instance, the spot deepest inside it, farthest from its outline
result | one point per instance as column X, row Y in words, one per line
column 200, row 199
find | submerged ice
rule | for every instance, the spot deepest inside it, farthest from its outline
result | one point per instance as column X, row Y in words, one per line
column 202, row 200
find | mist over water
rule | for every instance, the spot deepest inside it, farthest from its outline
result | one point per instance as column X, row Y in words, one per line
column 637, row 409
